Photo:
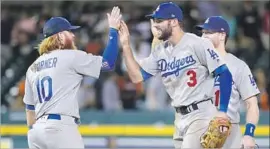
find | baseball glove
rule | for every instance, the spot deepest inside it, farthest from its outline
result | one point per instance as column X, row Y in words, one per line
column 218, row 131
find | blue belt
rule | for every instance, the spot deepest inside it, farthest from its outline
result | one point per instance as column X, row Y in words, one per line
column 58, row 117
column 54, row 116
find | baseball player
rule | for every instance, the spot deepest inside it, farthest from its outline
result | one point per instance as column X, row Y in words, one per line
column 244, row 86
column 187, row 64
column 53, row 80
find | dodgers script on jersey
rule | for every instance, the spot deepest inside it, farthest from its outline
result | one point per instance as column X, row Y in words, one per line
column 244, row 86
column 53, row 80
column 186, row 68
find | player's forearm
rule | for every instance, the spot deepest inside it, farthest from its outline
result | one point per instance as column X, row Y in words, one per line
column 252, row 110
column 132, row 66
column 30, row 117
column 111, row 52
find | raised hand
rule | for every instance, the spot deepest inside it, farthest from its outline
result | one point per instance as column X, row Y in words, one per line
column 114, row 18
column 124, row 34
column 156, row 33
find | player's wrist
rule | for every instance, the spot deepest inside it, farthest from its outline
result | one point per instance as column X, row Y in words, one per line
column 113, row 29
column 126, row 46
column 222, row 114
column 250, row 129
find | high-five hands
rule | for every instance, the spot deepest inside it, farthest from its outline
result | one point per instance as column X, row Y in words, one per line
column 114, row 18
column 124, row 34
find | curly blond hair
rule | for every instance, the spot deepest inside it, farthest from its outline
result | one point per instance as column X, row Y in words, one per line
column 49, row 44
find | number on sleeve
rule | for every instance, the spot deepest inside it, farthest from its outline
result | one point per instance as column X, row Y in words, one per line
column 192, row 80
column 217, row 94
column 41, row 87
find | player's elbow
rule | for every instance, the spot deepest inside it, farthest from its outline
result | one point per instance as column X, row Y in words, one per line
column 136, row 79
column 135, row 76
column 252, row 103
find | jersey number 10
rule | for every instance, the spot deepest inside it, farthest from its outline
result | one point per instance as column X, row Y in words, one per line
column 41, row 86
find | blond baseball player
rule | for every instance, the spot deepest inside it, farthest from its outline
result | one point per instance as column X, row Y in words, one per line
column 53, row 80
column 187, row 64
column 244, row 86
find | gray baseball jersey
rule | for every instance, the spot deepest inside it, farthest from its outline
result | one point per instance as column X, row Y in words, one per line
column 186, row 68
column 244, row 86
column 53, row 80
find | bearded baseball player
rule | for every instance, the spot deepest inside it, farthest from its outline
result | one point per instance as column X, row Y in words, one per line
column 244, row 86
column 188, row 65
column 53, row 80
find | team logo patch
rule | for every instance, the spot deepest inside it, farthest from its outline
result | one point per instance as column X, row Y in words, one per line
column 105, row 64
column 252, row 80
column 173, row 67
column 157, row 8
column 217, row 81
column 213, row 54
column 207, row 20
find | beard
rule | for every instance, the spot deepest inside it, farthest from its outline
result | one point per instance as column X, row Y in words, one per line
column 165, row 33
column 70, row 44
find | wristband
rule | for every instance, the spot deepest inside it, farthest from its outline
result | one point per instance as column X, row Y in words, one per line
column 29, row 107
column 250, row 129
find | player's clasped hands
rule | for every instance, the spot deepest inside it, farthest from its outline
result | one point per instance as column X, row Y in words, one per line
column 114, row 18
column 116, row 22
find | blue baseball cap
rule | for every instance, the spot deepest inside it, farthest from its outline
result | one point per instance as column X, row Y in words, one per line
column 167, row 10
column 216, row 24
column 56, row 25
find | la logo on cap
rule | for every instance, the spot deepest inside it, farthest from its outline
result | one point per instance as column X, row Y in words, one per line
column 207, row 20
column 157, row 8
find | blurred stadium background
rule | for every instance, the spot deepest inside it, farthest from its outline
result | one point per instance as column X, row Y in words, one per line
column 116, row 113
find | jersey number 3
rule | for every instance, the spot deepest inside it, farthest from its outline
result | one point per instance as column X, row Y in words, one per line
column 192, row 78
column 42, row 85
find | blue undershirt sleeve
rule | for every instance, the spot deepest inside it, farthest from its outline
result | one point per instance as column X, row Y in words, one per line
column 111, row 51
column 225, row 78
column 145, row 74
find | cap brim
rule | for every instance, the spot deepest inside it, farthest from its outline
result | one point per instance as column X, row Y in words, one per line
column 154, row 16
column 149, row 16
column 199, row 27
column 74, row 27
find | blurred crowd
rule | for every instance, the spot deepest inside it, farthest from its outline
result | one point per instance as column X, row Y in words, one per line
column 21, row 28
